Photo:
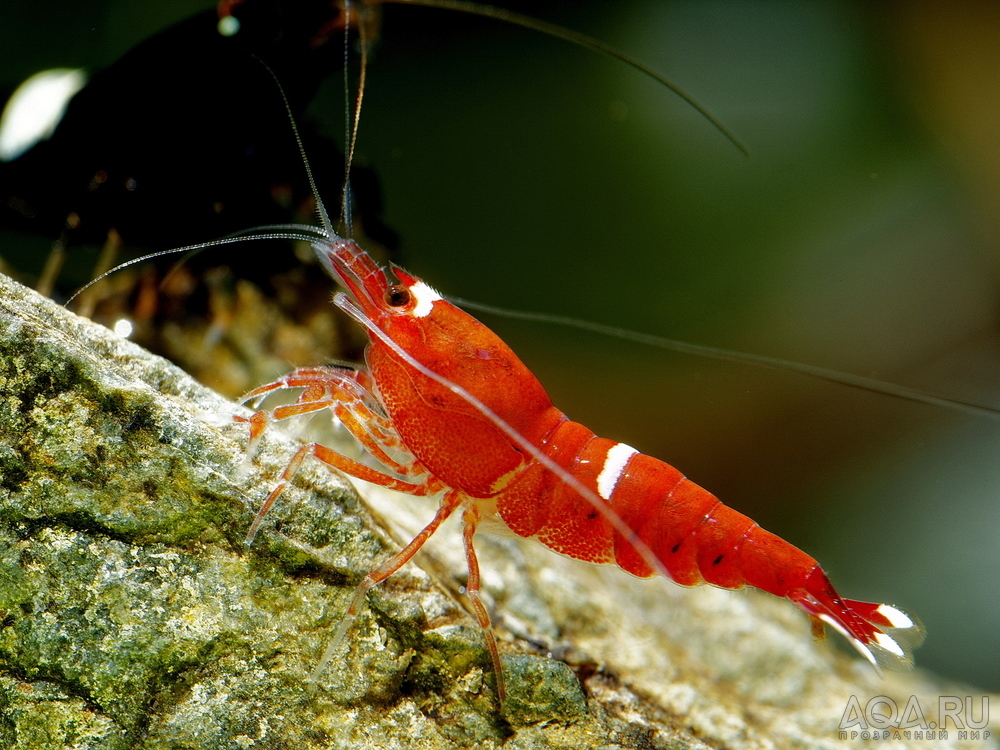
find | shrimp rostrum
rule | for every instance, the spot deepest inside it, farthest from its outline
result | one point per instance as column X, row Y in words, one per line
column 449, row 409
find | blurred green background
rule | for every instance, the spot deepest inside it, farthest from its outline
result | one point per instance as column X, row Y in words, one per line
column 859, row 235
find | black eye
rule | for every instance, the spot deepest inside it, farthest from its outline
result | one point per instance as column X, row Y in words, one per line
column 397, row 296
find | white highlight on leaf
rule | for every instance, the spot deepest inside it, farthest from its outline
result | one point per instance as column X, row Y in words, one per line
column 614, row 465
column 896, row 618
column 425, row 297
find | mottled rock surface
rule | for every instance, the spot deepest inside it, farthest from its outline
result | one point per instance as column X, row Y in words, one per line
column 133, row 616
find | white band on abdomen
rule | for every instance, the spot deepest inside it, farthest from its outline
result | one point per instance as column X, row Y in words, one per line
column 614, row 465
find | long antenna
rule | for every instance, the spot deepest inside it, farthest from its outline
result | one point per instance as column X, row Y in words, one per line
column 352, row 117
column 345, row 197
column 575, row 37
column 324, row 218
column 850, row 380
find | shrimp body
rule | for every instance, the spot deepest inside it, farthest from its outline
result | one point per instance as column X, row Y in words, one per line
column 448, row 408
column 695, row 537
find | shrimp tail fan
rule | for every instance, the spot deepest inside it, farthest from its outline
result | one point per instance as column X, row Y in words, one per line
column 884, row 634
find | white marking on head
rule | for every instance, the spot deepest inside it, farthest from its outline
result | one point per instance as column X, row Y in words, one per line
column 425, row 297
column 614, row 465
column 896, row 618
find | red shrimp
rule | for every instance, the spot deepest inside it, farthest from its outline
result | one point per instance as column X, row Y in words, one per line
column 448, row 408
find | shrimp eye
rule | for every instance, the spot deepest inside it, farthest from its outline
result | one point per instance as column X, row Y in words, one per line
column 397, row 296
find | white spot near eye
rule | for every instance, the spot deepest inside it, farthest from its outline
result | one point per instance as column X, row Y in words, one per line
column 896, row 618
column 425, row 297
column 614, row 465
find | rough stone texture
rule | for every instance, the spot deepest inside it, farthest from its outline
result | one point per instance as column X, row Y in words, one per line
column 132, row 615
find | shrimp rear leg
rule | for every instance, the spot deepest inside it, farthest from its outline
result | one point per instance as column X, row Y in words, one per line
column 470, row 520
column 449, row 503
